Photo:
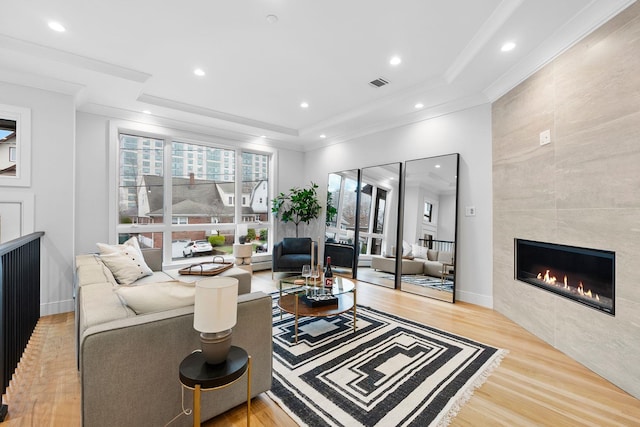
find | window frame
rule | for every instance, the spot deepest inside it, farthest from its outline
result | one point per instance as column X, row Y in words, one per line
column 170, row 136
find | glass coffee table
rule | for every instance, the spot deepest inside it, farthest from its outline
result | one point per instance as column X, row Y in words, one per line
column 292, row 293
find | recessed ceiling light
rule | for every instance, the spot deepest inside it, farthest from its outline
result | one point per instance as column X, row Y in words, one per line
column 395, row 60
column 419, row 105
column 272, row 19
column 323, row 136
column 56, row 26
column 263, row 136
column 508, row 46
column 199, row 72
column 437, row 166
column 146, row 111
column 304, row 105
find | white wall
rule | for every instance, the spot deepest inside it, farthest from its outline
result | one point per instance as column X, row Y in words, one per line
column 446, row 214
column 92, row 188
column 52, row 188
column 466, row 132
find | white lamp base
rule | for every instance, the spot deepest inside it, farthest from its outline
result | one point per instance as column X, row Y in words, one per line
column 215, row 346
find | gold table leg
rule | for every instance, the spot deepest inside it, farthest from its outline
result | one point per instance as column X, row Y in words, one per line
column 249, row 393
column 296, row 318
column 354, row 310
column 196, row 406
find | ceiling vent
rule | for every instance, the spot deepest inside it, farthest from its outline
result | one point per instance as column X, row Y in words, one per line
column 379, row 82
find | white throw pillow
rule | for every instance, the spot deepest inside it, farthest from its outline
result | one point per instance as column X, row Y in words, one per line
column 406, row 249
column 419, row 251
column 154, row 297
column 125, row 261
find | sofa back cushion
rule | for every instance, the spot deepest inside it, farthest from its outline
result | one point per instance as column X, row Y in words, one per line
column 152, row 298
column 296, row 245
column 445, row 257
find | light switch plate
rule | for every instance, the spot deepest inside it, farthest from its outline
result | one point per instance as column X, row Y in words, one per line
column 545, row 137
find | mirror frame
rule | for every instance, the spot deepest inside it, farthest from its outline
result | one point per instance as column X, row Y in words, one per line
column 356, row 225
column 455, row 224
column 396, row 207
column 22, row 117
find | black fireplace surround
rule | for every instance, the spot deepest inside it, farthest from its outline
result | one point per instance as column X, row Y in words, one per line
column 583, row 275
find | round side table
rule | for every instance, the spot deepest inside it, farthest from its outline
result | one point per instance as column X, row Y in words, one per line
column 198, row 375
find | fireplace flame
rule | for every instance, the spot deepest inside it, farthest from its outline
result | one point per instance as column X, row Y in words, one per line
column 549, row 279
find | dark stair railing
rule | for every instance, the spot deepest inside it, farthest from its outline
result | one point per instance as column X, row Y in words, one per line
column 19, row 302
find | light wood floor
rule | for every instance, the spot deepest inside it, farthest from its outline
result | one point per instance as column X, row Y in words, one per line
column 535, row 384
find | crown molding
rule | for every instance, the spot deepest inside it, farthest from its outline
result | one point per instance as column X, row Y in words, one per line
column 79, row 61
column 589, row 19
column 207, row 112
column 495, row 22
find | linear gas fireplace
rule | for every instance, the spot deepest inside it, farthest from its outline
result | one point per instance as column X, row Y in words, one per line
column 581, row 274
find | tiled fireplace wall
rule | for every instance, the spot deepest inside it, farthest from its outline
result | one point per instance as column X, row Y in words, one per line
column 583, row 189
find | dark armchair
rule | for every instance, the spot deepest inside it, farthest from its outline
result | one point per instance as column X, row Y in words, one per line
column 292, row 253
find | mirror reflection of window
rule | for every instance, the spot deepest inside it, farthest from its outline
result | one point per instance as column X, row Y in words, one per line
column 333, row 199
column 428, row 208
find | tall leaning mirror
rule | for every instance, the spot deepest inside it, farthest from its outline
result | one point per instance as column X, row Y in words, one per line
column 430, row 227
column 341, row 221
column 378, row 225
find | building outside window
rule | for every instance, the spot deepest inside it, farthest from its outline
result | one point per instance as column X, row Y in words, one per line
column 193, row 198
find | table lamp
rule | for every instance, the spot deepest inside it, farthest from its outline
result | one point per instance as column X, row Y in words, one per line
column 214, row 314
column 242, row 230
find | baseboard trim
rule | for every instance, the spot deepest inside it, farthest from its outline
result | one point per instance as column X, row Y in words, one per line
column 473, row 298
column 56, row 307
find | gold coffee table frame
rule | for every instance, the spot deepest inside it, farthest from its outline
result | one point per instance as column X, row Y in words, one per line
column 290, row 293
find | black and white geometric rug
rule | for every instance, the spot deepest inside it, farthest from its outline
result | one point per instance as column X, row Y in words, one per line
column 390, row 372
column 426, row 281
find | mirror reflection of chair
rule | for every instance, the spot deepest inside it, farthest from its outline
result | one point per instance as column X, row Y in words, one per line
column 292, row 253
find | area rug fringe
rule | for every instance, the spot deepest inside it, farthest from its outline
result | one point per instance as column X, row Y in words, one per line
column 468, row 394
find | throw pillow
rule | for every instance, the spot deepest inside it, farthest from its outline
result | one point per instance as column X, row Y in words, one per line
column 125, row 261
column 419, row 251
column 432, row 255
column 406, row 249
column 152, row 298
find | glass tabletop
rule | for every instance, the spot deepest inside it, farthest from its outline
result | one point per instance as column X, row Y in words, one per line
column 296, row 284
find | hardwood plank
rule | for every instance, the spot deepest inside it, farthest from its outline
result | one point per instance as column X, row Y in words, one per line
column 535, row 384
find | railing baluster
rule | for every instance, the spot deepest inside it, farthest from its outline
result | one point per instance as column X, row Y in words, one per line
column 19, row 302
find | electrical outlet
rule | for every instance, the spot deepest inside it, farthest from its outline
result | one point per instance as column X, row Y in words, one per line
column 545, row 137
column 470, row 211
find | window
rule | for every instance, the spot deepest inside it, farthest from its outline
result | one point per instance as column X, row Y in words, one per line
column 12, row 154
column 428, row 209
column 199, row 200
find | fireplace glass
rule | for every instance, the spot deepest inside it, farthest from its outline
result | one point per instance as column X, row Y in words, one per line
column 584, row 275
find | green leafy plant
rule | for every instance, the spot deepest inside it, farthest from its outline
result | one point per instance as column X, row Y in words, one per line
column 216, row 240
column 332, row 211
column 251, row 235
column 299, row 205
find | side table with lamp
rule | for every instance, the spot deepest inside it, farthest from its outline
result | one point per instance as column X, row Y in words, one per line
column 217, row 364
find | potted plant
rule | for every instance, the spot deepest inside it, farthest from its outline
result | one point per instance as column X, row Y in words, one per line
column 299, row 205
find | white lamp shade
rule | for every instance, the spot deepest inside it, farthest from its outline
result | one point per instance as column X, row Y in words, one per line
column 216, row 304
column 242, row 229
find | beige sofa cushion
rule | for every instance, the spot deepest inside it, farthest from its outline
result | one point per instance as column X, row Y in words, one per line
column 88, row 274
column 445, row 257
column 100, row 304
column 155, row 297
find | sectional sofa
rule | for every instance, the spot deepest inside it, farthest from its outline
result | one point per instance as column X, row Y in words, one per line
column 129, row 360
column 428, row 262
